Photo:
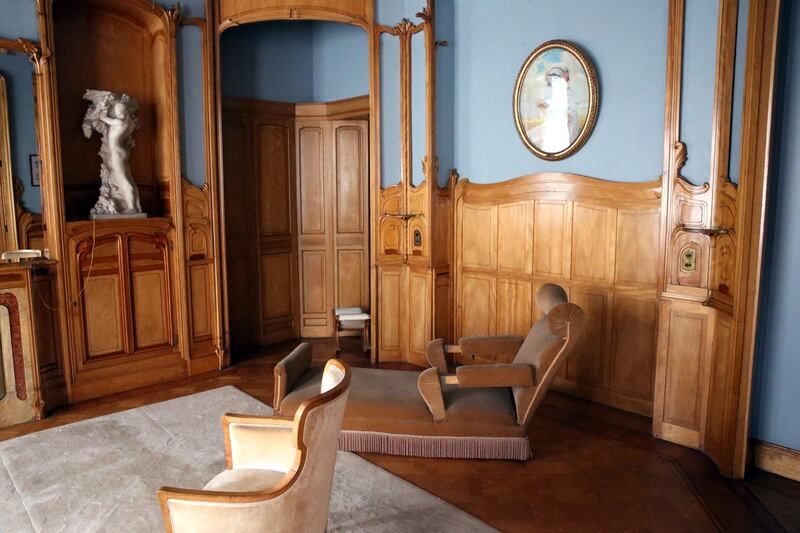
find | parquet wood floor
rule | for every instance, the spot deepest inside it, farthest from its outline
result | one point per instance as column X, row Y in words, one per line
column 594, row 468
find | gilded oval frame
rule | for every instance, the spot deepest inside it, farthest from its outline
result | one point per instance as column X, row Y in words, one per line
column 594, row 100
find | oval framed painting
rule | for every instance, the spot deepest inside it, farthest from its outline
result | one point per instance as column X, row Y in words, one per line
column 556, row 100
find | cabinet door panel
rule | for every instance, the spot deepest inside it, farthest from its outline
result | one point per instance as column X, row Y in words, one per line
column 102, row 311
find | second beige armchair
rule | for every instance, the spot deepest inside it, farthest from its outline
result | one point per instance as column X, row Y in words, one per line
column 279, row 471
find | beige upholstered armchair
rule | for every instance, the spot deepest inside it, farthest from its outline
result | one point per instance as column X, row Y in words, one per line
column 279, row 471
column 525, row 365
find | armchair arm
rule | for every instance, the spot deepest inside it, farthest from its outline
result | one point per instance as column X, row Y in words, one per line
column 434, row 353
column 510, row 375
column 494, row 349
column 259, row 442
column 289, row 370
column 199, row 511
column 430, row 388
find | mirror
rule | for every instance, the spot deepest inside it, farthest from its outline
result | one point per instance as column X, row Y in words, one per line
column 20, row 170
column 555, row 100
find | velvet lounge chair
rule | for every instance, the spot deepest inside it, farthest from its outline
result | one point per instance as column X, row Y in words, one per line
column 481, row 411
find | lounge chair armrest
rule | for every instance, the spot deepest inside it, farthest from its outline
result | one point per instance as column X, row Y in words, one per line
column 434, row 353
column 289, row 370
column 500, row 348
column 259, row 442
column 509, row 375
column 430, row 388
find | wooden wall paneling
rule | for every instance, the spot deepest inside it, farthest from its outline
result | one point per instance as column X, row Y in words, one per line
column 125, row 323
column 683, row 365
column 206, row 351
column 477, row 305
column 589, row 365
column 513, row 307
column 235, row 12
column 593, row 243
column 392, row 305
column 722, row 225
column 240, row 230
column 637, row 247
column 274, row 160
column 514, row 237
column 595, row 238
column 350, row 185
column 207, row 278
column 420, row 321
column 631, row 368
column 148, row 50
column 552, row 238
column 740, row 257
column 47, row 338
column 413, row 223
column 315, row 233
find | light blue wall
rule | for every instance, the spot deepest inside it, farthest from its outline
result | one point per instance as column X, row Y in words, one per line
column 626, row 40
column 18, row 19
column 445, row 88
column 17, row 71
column 268, row 61
column 192, row 116
column 341, row 61
column 296, row 61
column 776, row 388
column 697, row 102
column 738, row 91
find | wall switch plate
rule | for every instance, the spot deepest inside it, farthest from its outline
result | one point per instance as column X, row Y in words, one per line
column 689, row 260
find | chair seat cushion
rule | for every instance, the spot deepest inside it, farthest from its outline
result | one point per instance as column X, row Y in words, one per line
column 388, row 401
column 341, row 311
column 244, row 480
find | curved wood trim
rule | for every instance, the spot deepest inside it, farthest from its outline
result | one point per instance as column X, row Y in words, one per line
column 560, row 185
column 166, row 493
column 297, row 13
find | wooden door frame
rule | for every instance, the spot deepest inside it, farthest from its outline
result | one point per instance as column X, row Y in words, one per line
column 217, row 179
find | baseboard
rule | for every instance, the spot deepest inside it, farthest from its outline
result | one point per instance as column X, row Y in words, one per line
column 776, row 459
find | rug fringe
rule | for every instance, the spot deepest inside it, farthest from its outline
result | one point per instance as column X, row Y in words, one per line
column 514, row 448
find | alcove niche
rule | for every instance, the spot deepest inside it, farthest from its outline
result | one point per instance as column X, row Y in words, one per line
column 122, row 47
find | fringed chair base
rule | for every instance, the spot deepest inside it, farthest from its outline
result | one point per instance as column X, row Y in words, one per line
column 512, row 448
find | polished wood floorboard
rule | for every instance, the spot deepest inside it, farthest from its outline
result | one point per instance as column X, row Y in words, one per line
column 594, row 468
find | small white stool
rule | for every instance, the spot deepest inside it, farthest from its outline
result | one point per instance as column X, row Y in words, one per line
column 348, row 321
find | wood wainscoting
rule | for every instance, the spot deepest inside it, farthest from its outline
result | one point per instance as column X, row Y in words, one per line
column 597, row 239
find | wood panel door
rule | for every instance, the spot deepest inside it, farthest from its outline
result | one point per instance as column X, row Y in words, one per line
column 273, row 139
column 332, row 220
column 241, row 250
column 350, row 147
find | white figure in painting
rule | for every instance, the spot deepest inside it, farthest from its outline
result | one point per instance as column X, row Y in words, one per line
column 559, row 121
column 113, row 116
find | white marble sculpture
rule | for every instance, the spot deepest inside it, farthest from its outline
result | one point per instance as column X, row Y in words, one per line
column 113, row 115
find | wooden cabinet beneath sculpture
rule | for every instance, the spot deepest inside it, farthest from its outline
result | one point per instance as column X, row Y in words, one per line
column 122, row 305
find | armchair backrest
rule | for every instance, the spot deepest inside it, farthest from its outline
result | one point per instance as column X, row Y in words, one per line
column 547, row 346
column 317, row 423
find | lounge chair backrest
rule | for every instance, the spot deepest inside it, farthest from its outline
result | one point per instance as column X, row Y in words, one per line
column 546, row 347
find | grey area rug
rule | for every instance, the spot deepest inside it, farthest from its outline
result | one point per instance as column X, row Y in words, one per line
column 102, row 474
